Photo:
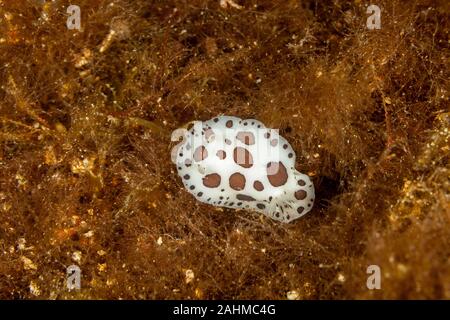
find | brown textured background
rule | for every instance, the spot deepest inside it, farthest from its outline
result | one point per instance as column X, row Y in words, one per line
column 85, row 171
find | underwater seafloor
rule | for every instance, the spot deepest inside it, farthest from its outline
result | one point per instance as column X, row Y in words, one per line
column 87, row 114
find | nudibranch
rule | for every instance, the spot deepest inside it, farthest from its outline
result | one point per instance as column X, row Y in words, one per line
column 241, row 164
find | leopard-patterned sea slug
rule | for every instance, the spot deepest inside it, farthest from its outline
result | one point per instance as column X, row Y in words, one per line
column 241, row 164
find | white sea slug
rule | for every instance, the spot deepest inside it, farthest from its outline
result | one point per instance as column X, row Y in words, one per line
column 241, row 164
